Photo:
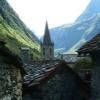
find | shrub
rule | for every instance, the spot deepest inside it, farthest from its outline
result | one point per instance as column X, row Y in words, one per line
column 84, row 63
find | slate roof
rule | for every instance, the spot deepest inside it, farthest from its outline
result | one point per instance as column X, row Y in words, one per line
column 92, row 45
column 47, row 38
column 38, row 72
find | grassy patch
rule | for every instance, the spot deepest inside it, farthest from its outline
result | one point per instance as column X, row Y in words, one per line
column 15, row 38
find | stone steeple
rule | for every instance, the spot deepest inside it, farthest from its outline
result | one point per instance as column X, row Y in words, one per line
column 47, row 38
column 47, row 46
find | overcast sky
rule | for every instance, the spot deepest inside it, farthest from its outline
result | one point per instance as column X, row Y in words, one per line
column 57, row 12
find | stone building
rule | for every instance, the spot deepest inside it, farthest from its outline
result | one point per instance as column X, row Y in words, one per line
column 92, row 49
column 25, row 54
column 54, row 80
column 10, row 74
column 47, row 46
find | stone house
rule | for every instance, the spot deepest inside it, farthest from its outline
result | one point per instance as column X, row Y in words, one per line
column 92, row 49
column 54, row 80
column 10, row 74
column 25, row 55
column 68, row 57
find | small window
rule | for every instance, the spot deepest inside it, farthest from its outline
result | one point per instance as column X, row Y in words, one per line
column 43, row 51
column 50, row 51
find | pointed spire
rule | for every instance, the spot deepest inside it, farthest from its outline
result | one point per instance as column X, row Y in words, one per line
column 47, row 38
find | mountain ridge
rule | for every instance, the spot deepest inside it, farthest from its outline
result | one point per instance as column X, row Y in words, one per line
column 91, row 10
column 14, row 32
column 69, row 39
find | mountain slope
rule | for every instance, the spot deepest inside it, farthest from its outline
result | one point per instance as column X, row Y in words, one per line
column 14, row 32
column 68, row 38
column 92, row 9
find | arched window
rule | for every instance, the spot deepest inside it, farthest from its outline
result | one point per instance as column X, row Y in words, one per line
column 50, row 51
column 43, row 51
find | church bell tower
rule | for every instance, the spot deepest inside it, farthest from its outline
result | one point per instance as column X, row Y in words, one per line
column 47, row 46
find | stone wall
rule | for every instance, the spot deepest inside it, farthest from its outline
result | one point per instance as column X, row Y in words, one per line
column 10, row 82
column 95, row 83
column 62, row 87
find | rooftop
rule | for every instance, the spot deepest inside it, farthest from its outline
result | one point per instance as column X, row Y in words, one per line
column 92, row 45
column 38, row 71
column 25, row 48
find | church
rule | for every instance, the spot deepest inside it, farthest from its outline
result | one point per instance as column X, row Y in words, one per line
column 47, row 46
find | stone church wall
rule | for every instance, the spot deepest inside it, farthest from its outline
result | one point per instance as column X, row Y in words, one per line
column 48, row 54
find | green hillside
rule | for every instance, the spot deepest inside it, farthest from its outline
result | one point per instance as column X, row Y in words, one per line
column 14, row 32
